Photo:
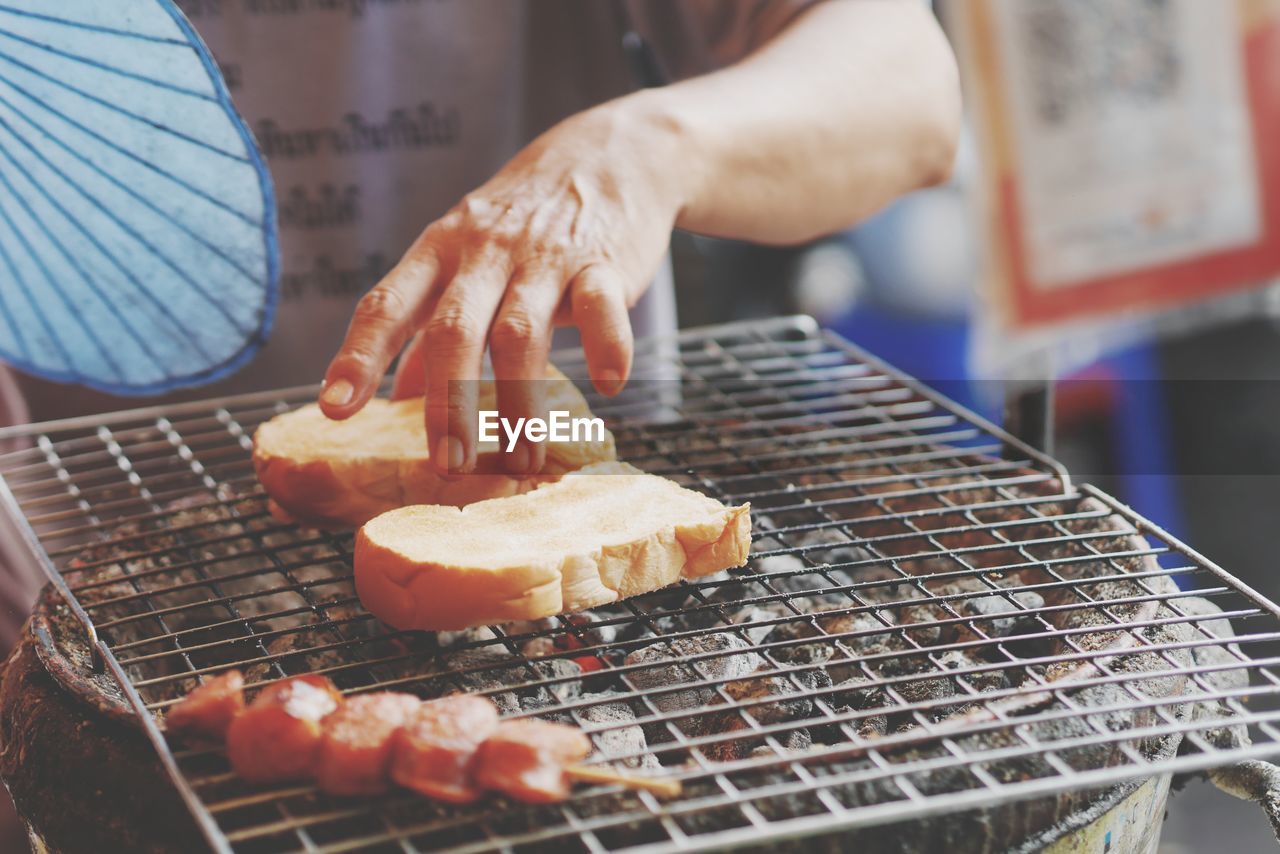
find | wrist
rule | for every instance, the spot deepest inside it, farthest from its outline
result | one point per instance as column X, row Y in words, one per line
column 663, row 145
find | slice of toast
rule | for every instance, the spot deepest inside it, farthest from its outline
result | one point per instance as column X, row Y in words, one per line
column 340, row 474
column 598, row 535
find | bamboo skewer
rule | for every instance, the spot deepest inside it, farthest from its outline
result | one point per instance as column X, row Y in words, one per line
column 662, row 788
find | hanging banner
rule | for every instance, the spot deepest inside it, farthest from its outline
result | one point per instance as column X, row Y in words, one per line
column 1130, row 151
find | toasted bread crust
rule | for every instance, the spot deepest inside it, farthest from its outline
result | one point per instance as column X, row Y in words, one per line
column 437, row 595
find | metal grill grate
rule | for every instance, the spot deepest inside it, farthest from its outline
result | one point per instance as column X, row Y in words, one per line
column 934, row 619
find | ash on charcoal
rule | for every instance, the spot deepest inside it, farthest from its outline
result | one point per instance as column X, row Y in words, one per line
column 733, row 659
column 623, row 736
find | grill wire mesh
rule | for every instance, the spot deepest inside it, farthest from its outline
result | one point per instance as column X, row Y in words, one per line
column 934, row 618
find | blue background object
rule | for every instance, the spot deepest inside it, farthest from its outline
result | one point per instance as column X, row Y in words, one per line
column 137, row 220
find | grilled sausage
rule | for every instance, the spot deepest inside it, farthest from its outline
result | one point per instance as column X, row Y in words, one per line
column 355, row 742
column 278, row 736
column 210, row 708
column 434, row 752
column 526, row 759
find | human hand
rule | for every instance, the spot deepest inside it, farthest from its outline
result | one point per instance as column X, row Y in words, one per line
column 570, row 231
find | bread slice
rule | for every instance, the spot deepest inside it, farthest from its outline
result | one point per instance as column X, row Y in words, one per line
column 340, row 474
column 598, row 535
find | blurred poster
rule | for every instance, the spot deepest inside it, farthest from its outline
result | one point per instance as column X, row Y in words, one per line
column 1130, row 148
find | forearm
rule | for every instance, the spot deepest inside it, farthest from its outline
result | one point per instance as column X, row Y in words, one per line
column 853, row 104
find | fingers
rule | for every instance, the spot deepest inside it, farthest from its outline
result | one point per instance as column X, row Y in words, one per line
column 452, row 354
column 411, row 375
column 597, row 298
column 383, row 320
column 518, row 344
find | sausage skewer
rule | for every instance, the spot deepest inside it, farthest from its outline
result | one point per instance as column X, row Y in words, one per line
column 278, row 736
column 435, row 751
column 357, row 743
column 527, row 758
column 449, row 749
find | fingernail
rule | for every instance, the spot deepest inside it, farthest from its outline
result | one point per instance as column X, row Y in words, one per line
column 609, row 382
column 338, row 393
column 449, row 450
column 518, row 460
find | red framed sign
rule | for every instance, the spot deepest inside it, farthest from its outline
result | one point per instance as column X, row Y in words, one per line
column 1130, row 148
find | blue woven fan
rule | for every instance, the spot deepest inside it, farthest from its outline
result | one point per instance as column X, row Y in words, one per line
column 137, row 223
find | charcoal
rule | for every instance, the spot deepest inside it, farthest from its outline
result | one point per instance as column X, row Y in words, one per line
column 917, row 616
column 477, row 636
column 625, row 741
column 588, row 630
column 791, row 704
column 740, row 662
column 858, row 692
column 926, row 691
column 544, row 704
column 832, row 546
column 873, row 727
column 295, row 655
column 780, row 564
column 868, row 631
column 989, row 609
column 539, row 648
column 499, row 671
column 861, row 694
column 869, row 727
column 562, row 668
column 519, row 631
column 891, row 588
column 797, row 577
column 983, row 681
column 759, row 614
column 872, row 638
column 795, row 740
column 810, row 653
column 671, row 598
column 748, row 744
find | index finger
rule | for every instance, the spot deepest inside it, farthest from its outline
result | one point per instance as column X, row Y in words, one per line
column 383, row 321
